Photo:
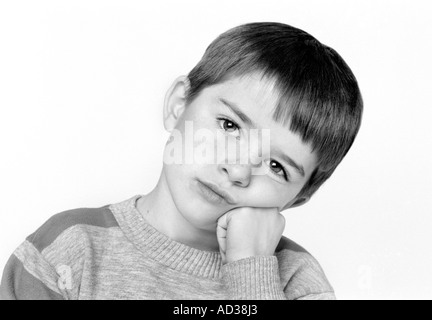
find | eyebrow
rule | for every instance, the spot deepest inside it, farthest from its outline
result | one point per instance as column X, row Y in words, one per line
column 236, row 110
column 291, row 162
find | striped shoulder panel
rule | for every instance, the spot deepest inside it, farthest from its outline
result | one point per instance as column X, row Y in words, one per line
column 19, row 284
column 53, row 227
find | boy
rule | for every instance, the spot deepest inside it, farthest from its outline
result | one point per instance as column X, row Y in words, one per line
column 213, row 229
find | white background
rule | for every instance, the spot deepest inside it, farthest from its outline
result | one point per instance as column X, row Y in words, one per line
column 81, row 91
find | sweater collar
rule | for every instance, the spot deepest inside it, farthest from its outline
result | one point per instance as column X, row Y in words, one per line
column 160, row 247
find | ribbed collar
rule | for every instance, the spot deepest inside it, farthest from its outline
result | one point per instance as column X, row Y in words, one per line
column 160, row 247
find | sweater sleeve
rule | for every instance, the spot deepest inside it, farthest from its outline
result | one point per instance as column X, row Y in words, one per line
column 253, row 278
column 308, row 282
column 291, row 275
column 259, row 278
column 28, row 276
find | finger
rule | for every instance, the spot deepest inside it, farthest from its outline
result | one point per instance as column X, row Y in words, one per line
column 221, row 233
column 221, row 236
column 223, row 221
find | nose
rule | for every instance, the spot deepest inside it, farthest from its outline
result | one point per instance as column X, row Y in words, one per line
column 239, row 174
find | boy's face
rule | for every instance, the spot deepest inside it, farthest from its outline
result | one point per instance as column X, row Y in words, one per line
column 249, row 185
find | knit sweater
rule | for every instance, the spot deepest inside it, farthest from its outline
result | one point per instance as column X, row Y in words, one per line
column 112, row 252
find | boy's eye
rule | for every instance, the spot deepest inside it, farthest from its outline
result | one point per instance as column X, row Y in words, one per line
column 228, row 124
column 277, row 168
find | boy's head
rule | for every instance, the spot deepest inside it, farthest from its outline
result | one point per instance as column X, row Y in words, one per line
column 291, row 82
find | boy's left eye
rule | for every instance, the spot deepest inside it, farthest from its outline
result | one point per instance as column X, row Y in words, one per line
column 279, row 168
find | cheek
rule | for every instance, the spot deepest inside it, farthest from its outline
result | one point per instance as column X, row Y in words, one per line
column 268, row 193
column 210, row 145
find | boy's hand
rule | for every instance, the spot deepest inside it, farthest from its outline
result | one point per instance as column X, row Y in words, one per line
column 247, row 232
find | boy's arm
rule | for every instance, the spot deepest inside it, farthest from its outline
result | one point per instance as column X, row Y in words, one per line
column 28, row 276
column 253, row 278
column 320, row 296
column 258, row 278
column 248, row 238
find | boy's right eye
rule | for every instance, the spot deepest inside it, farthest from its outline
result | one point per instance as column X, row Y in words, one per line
column 227, row 124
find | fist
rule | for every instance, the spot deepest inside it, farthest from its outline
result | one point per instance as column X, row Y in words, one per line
column 247, row 232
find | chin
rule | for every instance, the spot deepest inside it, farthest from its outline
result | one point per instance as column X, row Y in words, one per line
column 193, row 210
column 202, row 216
column 188, row 201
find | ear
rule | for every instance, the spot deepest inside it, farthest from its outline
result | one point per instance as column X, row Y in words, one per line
column 296, row 203
column 175, row 102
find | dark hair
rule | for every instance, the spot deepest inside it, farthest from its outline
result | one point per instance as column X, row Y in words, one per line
column 319, row 96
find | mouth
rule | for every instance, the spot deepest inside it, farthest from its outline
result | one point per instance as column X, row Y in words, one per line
column 215, row 194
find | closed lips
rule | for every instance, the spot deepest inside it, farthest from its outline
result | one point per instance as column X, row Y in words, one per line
column 228, row 198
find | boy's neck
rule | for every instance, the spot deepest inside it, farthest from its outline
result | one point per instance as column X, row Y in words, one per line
column 159, row 210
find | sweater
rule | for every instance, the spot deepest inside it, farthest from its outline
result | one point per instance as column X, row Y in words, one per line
column 112, row 252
